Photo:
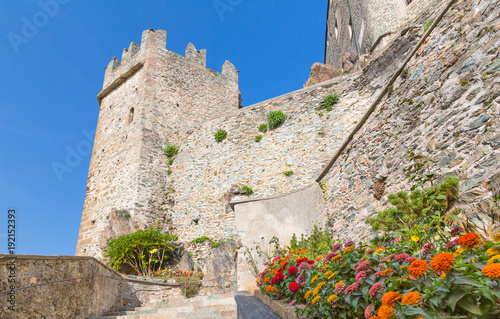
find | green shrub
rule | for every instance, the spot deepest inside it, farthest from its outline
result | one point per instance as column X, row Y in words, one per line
column 127, row 215
column 263, row 128
column 220, row 135
column 200, row 240
column 321, row 133
column 319, row 242
column 169, row 171
column 288, row 173
column 258, row 138
column 275, row 119
column 171, row 150
column 143, row 250
column 170, row 161
column 248, row 190
column 390, row 90
column 329, row 101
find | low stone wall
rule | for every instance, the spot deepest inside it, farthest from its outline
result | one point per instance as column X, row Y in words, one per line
column 258, row 221
column 71, row 287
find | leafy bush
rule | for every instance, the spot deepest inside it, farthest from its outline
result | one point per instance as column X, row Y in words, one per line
column 429, row 280
column 143, row 250
column 200, row 240
column 275, row 119
column 263, row 128
column 190, row 282
column 317, row 243
column 169, row 171
column 329, row 101
column 248, row 190
column 404, row 74
column 258, row 138
column 288, row 173
column 171, row 150
column 170, row 161
column 220, row 135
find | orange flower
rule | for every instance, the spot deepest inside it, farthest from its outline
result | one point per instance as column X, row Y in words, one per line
column 389, row 298
column 386, row 272
column 443, row 275
column 442, row 262
column 470, row 240
column 385, row 312
column 269, row 288
column 418, row 268
column 492, row 270
column 411, row 298
column 265, row 280
column 283, row 263
column 303, row 251
column 373, row 317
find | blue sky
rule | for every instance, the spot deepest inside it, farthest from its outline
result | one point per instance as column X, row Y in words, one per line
column 53, row 67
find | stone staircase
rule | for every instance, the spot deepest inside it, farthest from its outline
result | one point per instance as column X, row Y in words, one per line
column 215, row 306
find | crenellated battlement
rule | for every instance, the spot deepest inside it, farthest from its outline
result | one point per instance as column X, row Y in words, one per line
column 153, row 45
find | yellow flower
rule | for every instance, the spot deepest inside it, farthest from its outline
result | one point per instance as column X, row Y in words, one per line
column 328, row 273
column 459, row 251
column 402, row 267
column 378, row 251
column 415, row 238
column 473, row 260
column 494, row 259
column 308, row 294
column 340, row 282
column 348, row 249
column 316, row 299
column 314, row 278
column 336, row 258
column 493, row 251
column 326, row 267
column 332, row 298
column 496, row 237
column 153, row 251
column 331, row 276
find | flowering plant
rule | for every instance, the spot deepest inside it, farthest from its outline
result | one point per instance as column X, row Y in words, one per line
column 359, row 281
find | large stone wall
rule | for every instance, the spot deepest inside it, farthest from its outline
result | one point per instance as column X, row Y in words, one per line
column 447, row 109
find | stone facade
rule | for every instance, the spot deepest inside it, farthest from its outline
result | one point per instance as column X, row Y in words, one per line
column 447, row 109
column 147, row 95
column 370, row 19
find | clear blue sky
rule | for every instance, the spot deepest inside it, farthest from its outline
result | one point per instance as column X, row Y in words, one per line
column 52, row 72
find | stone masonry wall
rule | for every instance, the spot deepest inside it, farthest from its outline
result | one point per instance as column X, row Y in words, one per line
column 81, row 298
column 145, row 96
column 448, row 109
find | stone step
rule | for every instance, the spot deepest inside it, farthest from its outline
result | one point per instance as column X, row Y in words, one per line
column 215, row 306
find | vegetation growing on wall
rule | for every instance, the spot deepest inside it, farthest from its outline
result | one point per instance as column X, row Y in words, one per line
column 220, row 135
column 258, row 138
column 143, row 250
column 288, row 173
column 248, row 190
column 263, row 128
column 171, row 150
column 275, row 119
column 329, row 101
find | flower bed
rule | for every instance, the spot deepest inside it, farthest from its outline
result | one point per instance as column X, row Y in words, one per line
column 458, row 279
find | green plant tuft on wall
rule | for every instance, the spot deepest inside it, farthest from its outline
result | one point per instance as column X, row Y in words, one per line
column 171, row 150
column 275, row 119
column 248, row 190
column 428, row 25
column 404, row 74
column 329, row 101
column 258, row 138
column 220, row 135
column 263, row 128
column 288, row 173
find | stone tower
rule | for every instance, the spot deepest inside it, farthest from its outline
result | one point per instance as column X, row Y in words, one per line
column 146, row 96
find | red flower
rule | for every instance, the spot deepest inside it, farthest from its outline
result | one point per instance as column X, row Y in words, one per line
column 292, row 270
column 294, row 286
column 310, row 262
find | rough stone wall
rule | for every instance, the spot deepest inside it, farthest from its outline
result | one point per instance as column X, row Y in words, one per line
column 81, row 298
column 447, row 109
column 204, row 171
column 371, row 19
column 139, row 108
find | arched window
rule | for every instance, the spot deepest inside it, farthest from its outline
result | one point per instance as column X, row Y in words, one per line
column 130, row 118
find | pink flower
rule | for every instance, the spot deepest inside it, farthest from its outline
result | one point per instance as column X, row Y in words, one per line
column 397, row 240
column 303, row 266
column 328, row 257
column 376, row 289
column 377, row 274
column 411, row 277
column 338, row 288
column 456, row 231
column 429, row 245
column 365, row 265
column 292, row 302
column 388, row 258
column 349, row 243
column 337, row 247
column 352, row 288
column 369, row 311
column 426, row 251
column 451, row 244
column 370, row 251
column 360, row 275
column 299, row 278
column 401, row 257
column 410, row 259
